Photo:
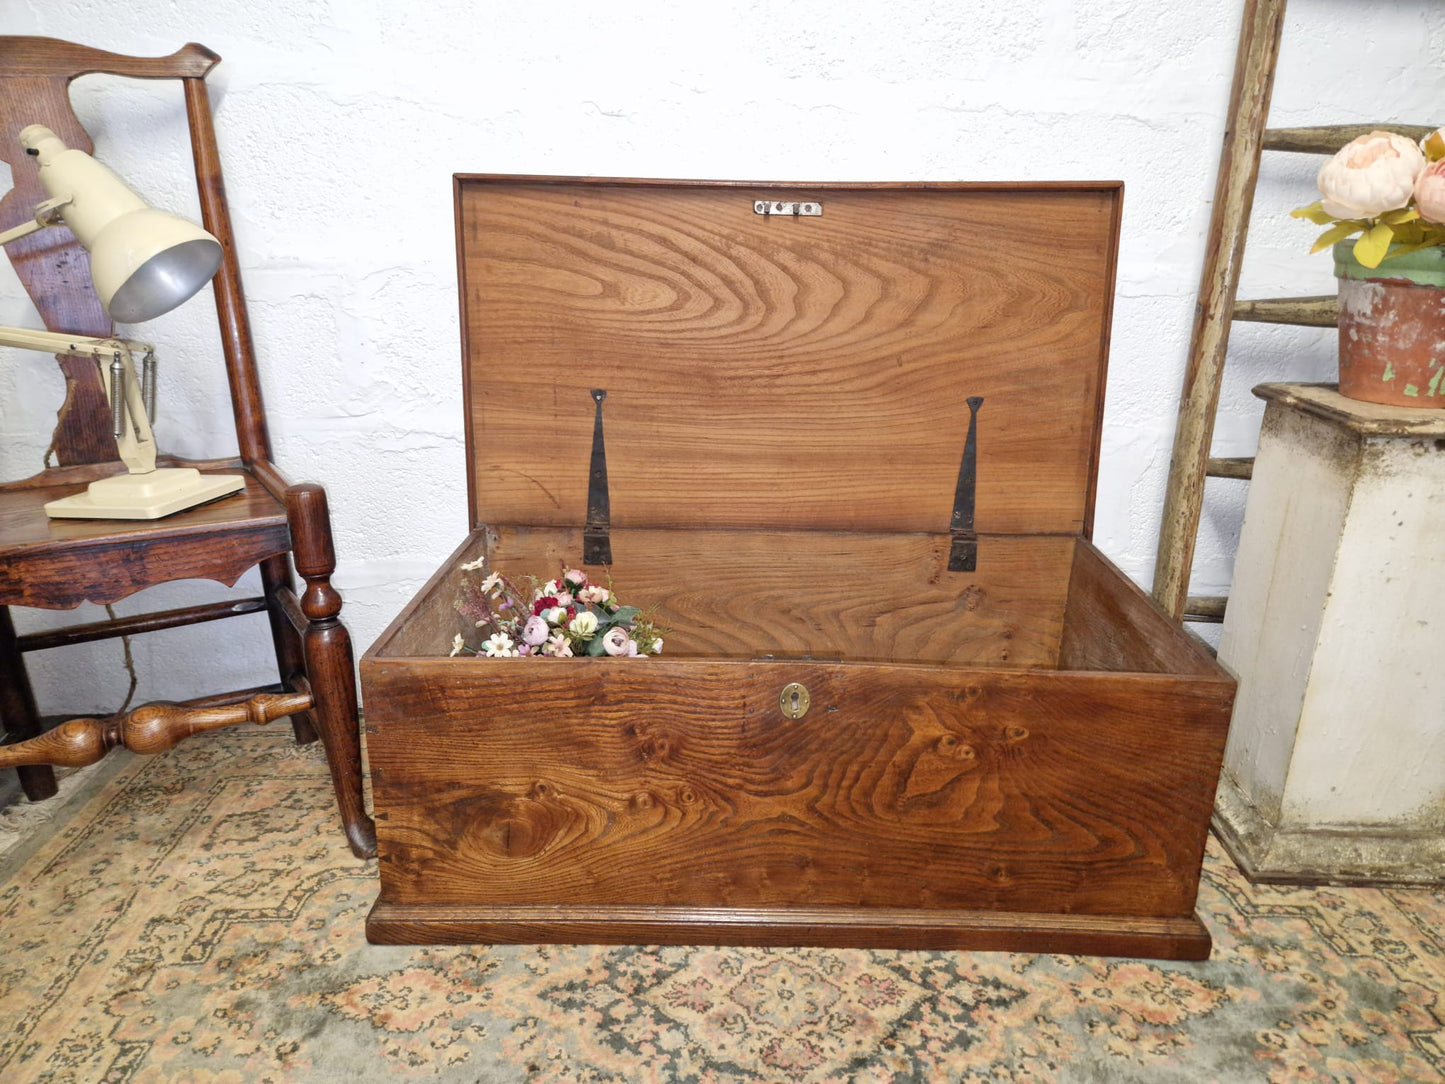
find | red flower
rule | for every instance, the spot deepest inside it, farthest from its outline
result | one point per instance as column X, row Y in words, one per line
column 546, row 602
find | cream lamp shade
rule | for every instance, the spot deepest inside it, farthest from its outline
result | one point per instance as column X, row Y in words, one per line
column 143, row 262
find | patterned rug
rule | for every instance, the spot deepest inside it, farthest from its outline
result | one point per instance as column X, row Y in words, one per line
column 197, row 917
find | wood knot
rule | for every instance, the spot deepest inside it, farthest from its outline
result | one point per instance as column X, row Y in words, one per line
column 1015, row 733
column 949, row 746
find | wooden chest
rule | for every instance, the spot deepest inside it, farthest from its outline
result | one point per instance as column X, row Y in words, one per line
column 848, row 445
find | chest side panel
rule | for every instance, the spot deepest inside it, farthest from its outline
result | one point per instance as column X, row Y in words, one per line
column 767, row 371
column 684, row 785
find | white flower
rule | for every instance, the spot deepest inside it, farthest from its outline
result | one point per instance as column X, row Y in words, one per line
column 491, row 581
column 558, row 647
column 472, row 566
column 584, row 625
column 457, row 644
column 499, row 646
column 1370, row 175
column 657, row 646
column 616, row 642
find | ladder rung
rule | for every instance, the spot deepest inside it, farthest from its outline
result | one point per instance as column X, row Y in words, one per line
column 1321, row 311
column 1208, row 608
column 1231, row 467
column 1331, row 137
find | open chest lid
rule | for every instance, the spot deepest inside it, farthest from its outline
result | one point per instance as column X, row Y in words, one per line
column 787, row 356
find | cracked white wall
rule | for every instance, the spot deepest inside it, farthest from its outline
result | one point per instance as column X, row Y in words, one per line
column 341, row 124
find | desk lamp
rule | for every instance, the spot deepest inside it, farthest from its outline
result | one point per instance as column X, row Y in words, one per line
column 143, row 263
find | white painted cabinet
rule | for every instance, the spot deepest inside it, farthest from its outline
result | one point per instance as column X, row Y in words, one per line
column 1335, row 628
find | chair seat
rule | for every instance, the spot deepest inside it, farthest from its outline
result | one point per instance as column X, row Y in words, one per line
column 59, row 563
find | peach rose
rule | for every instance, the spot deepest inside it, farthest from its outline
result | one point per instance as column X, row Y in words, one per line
column 1430, row 192
column 1370, row 175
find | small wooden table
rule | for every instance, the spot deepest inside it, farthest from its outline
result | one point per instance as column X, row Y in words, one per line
column 1335, row 766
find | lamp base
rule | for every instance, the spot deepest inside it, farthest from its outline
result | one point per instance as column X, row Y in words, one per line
column 145, row 496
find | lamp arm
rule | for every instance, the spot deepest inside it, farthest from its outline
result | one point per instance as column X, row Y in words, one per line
column 46, row 214
column 134, row 439
column 57, row 342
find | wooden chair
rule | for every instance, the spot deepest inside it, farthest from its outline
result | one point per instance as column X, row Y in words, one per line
column 57, row 564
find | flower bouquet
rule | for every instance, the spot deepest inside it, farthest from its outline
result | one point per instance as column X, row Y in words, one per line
column 564, row 617
column 1385, row 188
column 1391, row 192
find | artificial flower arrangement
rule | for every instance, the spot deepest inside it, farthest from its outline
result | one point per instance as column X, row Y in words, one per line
column 1386, row 188
column 564, row 617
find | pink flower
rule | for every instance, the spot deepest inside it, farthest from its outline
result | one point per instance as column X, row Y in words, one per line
column 575, row 578
column 595, row 594
column 534, row 631
column 1430, row 192
column 617, row 642
column 1370, row 175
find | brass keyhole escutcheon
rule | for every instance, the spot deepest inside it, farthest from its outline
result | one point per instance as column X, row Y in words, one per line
column 794, row 700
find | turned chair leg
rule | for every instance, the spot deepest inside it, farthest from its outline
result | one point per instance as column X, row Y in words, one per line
column 290, row 654
column 18, row 713
column 329, row 665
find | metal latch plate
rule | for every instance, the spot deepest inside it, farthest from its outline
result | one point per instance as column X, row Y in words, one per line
column 796, row 208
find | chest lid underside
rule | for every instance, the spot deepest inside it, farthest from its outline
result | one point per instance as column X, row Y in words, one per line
column 780, row 370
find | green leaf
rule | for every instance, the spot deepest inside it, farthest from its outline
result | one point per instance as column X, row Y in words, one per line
column 596, row 647
column 1371, row 248
column 625, row 614
column 1315, row 212
column 1336, row 233
column 1394, row 218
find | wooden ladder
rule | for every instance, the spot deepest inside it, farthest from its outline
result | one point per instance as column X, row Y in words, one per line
column 1245, row 136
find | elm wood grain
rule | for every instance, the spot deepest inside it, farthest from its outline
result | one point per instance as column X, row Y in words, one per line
column 56, row 566
column 791, row 593
column 1259, row 39
column 1111, row 625
column 148, row 730
column 584, row 782
column 737, row 350
column 766, row 379
column 836, row 927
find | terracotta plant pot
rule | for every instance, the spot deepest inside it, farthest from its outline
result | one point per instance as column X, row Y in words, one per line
column 1392, row 328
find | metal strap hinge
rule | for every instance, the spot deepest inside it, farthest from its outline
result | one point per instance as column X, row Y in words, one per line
column 963, row 548
column 596, row 543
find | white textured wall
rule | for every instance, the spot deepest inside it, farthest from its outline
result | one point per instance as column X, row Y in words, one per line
column 341, row 124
